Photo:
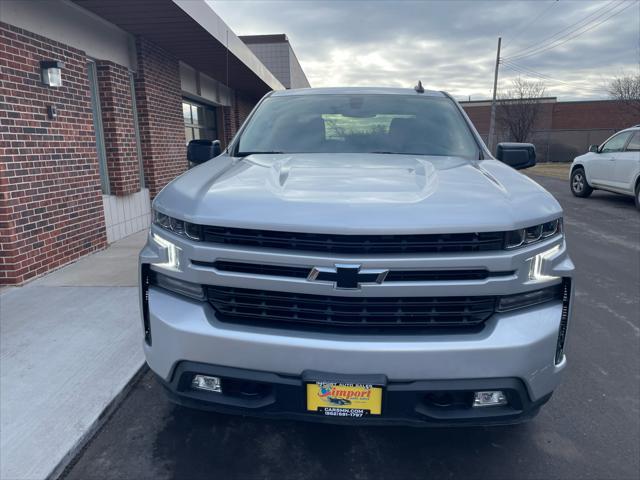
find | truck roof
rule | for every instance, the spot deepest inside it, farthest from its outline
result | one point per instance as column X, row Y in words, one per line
column 356, row 90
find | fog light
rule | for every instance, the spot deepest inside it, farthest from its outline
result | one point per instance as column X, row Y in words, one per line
column 204, row 382
column 489, row 398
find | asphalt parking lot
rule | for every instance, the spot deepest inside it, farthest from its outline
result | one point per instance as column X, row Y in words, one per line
column 590, row 429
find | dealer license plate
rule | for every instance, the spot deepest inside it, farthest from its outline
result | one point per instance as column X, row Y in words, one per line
column 344, row 399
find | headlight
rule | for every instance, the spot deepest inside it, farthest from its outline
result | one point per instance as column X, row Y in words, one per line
column 537, row 265
column 527, row 236
column 528, row 299
column 172, row 252
column 179, row 227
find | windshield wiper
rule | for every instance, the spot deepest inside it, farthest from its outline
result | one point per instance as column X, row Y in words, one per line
column 245, row 154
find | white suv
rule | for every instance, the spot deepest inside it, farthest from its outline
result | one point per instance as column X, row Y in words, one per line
column 613, row 166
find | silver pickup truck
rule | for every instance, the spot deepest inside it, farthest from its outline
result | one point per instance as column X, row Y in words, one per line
column 356, row 255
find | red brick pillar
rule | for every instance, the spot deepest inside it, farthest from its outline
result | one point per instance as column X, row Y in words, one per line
column 235, row 115
column 230, row 126
column 160, row 121
column 119, row 128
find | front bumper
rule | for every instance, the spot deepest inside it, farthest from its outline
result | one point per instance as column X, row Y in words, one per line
column 516, row 346
column 416, row 403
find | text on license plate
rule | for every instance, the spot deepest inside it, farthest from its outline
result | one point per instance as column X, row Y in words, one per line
column 344, row 399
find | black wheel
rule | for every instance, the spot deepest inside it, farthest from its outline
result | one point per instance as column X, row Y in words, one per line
column 638, row 196
column 579, row 185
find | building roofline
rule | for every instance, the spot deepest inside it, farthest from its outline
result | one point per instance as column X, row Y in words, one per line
column 601, row 100
column 480, row 103
column 202, row 13
column 271, row 38
column 298, row 61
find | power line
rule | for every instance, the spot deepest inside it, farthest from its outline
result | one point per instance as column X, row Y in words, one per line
column 521, row 28
column 569, row 28
column 522, row 69
column 576, row 32
column 574, row 36
column 576, row 29
column 533, row 73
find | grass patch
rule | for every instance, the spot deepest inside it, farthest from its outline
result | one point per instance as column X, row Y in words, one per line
column 556, row 170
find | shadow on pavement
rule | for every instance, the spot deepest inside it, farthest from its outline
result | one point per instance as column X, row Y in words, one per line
column 148, row 437
column 246, row 447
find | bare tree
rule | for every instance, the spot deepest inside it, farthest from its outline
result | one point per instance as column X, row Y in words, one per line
column 519, row 107
column 626, row 90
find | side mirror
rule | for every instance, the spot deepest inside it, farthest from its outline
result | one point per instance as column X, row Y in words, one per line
column 517, row 155
column 594, row 148
column 200, row 151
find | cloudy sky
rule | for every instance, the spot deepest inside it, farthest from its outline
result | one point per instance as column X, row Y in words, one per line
column 571, row 45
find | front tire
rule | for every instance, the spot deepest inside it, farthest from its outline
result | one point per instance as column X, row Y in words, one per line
column 579, row 185
column 638, row 196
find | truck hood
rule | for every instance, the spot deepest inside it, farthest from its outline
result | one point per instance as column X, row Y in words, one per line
column 357, row 193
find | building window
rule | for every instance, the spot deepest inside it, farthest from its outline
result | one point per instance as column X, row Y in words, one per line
column 199, row 121
column 97, row 126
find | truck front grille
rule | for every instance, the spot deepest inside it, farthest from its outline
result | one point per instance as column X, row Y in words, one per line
column 358, row 244
column 267, row 308
column 293, row 271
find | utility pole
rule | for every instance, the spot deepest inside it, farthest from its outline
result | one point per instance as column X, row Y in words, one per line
column 492, row 123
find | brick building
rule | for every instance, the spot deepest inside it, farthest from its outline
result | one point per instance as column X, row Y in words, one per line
column 81, row 161
column 563, row 130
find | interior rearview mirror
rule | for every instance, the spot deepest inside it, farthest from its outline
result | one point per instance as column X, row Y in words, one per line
column 593, row 148
column 517, row 155
column 200, row 151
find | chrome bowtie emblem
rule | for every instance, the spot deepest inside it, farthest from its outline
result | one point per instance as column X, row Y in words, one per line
column 347, row 276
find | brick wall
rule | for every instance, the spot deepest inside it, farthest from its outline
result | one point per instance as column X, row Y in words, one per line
column 50, row 199
column 230, row 124
column 244, row 105
column 161, row 125
column 588, row 115
column 592, row 115
column 118, row 127
column 563, row 130
column 480, row 116
column 234, row 115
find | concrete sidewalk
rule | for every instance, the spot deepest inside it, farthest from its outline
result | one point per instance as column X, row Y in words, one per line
column 69, row 343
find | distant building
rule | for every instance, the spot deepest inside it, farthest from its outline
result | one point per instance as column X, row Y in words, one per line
column 276, row 53
column 563, row 130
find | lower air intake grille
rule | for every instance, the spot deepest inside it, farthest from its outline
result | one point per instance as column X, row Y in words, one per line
column 260, row 307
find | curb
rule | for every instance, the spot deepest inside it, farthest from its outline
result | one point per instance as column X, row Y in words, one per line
column 83, row 442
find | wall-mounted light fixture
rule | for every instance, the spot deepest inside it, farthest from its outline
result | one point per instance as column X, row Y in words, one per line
column 51, row 72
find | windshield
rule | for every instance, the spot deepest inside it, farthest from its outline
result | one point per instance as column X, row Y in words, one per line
column 399, row 124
